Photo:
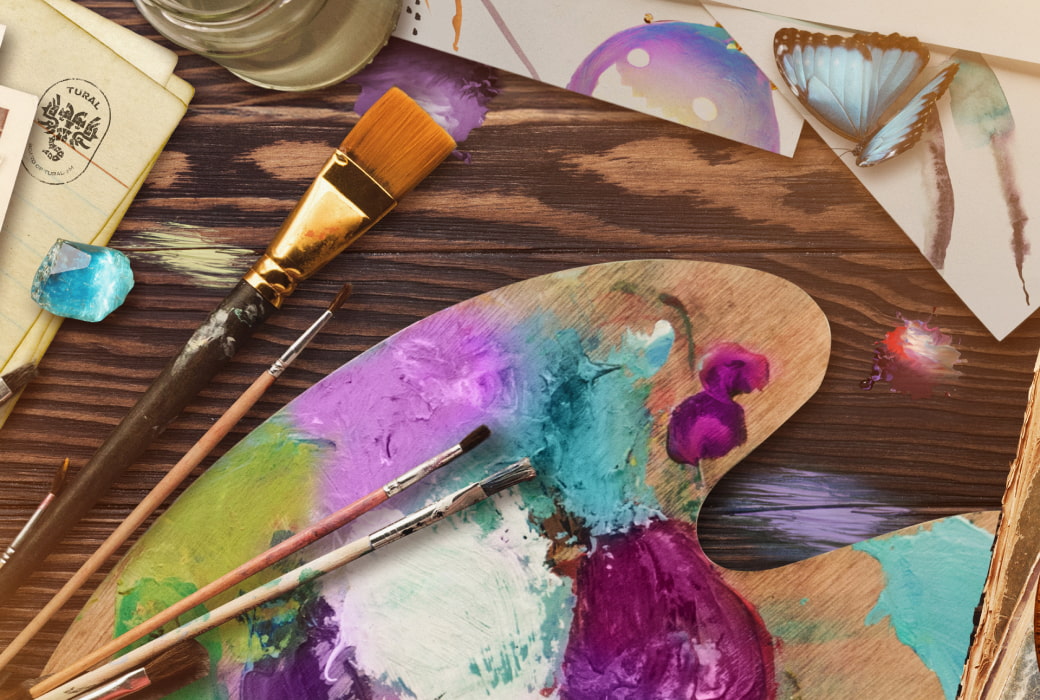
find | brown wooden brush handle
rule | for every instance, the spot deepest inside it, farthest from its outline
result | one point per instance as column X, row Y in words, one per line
column 209, row 349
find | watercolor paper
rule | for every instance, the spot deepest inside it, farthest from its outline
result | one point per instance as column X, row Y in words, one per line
column 17, row 110
column 660, row 57
column 590, row 581
column 964, row 195
column 996, row 28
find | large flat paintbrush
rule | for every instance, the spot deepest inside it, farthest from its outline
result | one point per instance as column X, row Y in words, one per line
column 276, row 588
column 391, row 149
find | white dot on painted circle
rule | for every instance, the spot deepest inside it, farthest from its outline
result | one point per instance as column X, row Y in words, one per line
column 638, row 58
column 705, row 109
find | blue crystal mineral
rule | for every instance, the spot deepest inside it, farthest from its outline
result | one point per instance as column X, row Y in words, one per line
column 82, row 281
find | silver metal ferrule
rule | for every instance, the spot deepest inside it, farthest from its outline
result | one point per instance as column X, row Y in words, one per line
column 124, row 685
column 421, row 471
column 449, row 505
column 5, row 391
column 294, row 350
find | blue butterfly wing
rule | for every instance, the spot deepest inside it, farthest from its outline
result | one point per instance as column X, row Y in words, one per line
column 905, row 128
column 848, row 83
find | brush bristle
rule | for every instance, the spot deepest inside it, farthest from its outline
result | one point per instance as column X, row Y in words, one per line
column 182, row 665
column 397, row 143
column 60, row 477
column 475, row 438
column 342, row 297
column 508, row 477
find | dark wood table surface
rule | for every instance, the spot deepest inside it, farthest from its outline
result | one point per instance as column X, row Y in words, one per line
column 556, row 180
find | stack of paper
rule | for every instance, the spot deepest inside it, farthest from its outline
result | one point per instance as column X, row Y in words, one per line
column 108, row 102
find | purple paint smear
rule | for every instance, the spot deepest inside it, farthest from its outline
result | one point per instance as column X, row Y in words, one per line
column 307, row 671
column 413, row 393
column 710, row 423
column 455, row 92
column 653, row 621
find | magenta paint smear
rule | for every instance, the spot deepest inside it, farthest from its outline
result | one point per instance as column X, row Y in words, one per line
column 913, row 359
column 654, row 621
column 454, row 91
column 711, row 423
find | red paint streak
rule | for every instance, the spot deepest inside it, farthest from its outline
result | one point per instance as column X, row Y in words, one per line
column 913, row 358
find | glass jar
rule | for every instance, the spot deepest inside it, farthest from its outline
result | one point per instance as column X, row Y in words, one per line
column 278, row 44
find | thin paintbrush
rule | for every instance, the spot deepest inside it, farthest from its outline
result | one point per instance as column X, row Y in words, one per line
column 390, row 149
column 267, row 558
column 182, row 664
column 169, row 483
column 15, row 380
column 278, row 587
column 56, row 487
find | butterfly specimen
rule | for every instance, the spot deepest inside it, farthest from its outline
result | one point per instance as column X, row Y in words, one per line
column 855, row 85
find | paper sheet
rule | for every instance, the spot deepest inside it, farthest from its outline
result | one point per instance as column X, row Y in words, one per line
column 17, row 110
column 966, row 191
column 79, row 187
column 659, row 57
column 1005, row 29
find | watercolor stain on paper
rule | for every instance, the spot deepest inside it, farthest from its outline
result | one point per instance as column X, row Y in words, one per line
column 922, row 600
column 914, row 358
column 689, row 73
column 983, row 118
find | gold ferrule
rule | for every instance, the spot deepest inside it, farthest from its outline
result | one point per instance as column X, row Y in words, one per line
column 342, row 203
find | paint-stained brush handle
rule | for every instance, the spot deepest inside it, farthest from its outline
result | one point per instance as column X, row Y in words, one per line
column 392, row 147
column 208, row 350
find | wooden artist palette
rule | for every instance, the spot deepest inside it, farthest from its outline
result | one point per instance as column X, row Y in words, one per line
column 633, row 387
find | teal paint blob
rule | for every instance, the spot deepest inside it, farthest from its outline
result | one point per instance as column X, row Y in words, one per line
column 594, row 433
column 977, row 102
column 933, row 583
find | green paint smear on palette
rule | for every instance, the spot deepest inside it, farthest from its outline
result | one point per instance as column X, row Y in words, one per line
column 235, row 526
column 929, row 607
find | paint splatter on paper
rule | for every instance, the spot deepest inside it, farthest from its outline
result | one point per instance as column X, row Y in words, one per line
column 914, row 359
column 983, row 118
column 690, row 73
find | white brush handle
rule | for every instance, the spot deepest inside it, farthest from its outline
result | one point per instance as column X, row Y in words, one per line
column 233, row 608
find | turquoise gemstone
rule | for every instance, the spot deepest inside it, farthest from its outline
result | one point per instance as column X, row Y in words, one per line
column 82, row 281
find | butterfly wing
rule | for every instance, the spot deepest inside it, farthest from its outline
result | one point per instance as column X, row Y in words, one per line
column 905, row 128
column 848, row 82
